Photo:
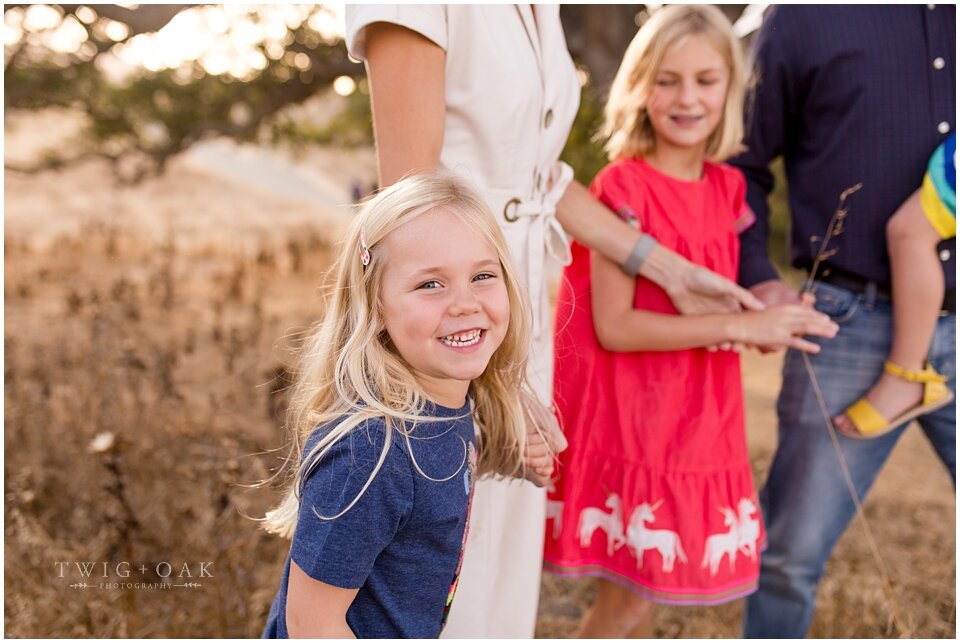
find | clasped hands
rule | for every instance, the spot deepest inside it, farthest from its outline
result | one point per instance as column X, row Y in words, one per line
column 783, row 316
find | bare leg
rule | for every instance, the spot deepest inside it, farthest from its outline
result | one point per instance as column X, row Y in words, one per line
column 917, row 296
column 616, row 612
column 644, row 628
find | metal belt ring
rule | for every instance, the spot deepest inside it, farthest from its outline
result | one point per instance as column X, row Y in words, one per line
column 506, row 214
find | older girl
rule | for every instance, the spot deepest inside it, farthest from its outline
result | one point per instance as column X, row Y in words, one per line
column 655, row 495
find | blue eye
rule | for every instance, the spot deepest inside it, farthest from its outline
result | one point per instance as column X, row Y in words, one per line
column 429, row 285
column 484, row 276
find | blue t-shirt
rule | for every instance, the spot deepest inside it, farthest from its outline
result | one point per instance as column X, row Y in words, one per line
column 401, row 544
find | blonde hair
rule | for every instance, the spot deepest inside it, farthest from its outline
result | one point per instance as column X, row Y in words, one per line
column 626, row 127
column 350, row 371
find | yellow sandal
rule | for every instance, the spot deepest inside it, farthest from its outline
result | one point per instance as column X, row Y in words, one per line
column 871, row 424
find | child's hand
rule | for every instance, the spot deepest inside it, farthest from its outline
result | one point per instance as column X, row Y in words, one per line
column 782, row 327
column 543, row 421
column 544, row 441
column 538, row 462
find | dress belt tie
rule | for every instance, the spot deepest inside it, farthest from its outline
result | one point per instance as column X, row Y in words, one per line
column 545, row 234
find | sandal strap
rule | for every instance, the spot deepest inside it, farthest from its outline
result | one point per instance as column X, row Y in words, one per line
column 927, row 375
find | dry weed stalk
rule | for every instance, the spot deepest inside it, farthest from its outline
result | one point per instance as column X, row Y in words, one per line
column 834, row 229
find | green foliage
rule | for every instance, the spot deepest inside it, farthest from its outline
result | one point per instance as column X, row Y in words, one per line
column 351, row 127
column 779, row 246
column 139, row 121
column 583, row 152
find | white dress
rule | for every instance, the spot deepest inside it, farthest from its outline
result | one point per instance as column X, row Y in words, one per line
column 512, row 93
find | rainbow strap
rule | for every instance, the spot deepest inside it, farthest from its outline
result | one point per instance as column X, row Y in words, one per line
column 938, row 195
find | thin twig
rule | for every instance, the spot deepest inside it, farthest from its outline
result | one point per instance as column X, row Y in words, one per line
column 834, row 228
column 885, row 577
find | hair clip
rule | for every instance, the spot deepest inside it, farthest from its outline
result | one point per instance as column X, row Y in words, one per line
column 364, row 251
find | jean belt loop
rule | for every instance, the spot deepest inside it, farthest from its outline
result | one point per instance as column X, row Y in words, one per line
column 870, row 295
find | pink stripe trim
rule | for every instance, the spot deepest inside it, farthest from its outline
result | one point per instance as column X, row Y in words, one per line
column 664, row 596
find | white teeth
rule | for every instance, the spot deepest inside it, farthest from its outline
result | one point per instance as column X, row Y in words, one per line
column 462, row 339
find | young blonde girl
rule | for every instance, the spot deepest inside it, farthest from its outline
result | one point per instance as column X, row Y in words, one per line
column 412, row 383
column 655, row 495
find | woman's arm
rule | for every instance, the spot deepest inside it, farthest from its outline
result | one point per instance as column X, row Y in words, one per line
column 692, row 288
column 620, row 327
column 316, row 609
column 406, row 73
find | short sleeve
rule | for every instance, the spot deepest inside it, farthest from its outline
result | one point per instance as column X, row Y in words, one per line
column 609, row 186
column 742, row 212
column 341, row 551
column 428, row 20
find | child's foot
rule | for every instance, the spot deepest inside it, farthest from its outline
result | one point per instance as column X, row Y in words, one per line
column 890, row 396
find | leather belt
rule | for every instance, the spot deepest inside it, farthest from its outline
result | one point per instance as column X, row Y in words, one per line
column 855, row 283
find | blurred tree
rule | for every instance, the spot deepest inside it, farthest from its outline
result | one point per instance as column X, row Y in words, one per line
column 248, row 65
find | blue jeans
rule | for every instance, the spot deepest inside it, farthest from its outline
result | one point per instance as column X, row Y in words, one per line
column 806, row 502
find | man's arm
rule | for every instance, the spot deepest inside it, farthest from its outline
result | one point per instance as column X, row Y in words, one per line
column 769, row 112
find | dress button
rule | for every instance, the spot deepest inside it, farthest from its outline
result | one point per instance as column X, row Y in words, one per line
column 939, row 63
column 944, row 255
column 943, row 127
column 548, row 118
column 931, row 7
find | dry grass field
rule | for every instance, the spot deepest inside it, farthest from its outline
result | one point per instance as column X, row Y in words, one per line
column 147, row 330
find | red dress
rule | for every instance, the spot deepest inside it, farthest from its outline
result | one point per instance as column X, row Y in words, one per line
column 655, row 489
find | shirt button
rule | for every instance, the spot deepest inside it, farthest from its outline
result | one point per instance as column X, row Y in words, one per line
column 944, row 255
column 943, row 127
column 548, row 118
column 939, row 63
column 931, row 7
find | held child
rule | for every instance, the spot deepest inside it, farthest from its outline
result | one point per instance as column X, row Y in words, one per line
column 655, row 495
column 909, row 387
column 423, row 341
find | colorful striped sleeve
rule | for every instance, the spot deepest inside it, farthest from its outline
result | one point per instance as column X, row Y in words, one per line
column 938, row 195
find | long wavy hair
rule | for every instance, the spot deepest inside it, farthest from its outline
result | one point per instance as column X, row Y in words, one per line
column 626, row 128
column 349, row 370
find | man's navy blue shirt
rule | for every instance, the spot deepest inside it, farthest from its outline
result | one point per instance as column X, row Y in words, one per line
column 847, row 94
column 401, row 543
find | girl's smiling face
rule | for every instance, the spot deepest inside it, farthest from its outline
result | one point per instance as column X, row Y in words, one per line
column 689, row 91
column 444, row 302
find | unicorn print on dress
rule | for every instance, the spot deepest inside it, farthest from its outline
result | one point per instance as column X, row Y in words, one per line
column 740, row 538
column 723, row 544
column 592, row 518
column 640, row 538
column 555, row 512
column 748, row 529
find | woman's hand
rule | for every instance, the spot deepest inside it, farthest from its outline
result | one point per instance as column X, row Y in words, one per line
column 695, row 290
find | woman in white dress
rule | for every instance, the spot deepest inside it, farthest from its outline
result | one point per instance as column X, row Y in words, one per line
column 490, row 92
